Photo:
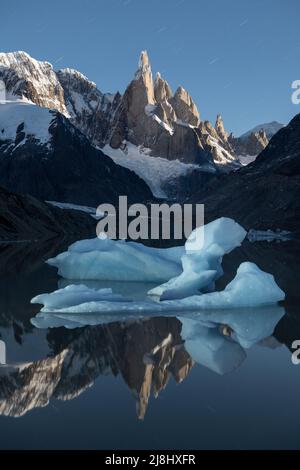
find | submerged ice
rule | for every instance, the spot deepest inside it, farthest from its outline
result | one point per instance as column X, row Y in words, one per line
column 187, row 275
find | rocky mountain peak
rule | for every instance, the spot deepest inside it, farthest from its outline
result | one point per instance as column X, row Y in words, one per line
column 142, row 85
column 73, row 76
column 31, row 80
column 144, row 65
column 219, row 127
column 184, row 107
column 162, row 89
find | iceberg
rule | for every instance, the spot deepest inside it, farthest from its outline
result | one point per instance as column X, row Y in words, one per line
column 201, row 263
column 187, row 268
column 190, row 272
column 105, row 259
column 251, row 287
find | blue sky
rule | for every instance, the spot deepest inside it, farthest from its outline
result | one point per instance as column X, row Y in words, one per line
column 235, row 57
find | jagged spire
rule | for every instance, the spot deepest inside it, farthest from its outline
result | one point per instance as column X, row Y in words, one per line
column 144, row 66
column 185, row 108
column 162, row 89
column 219, row 127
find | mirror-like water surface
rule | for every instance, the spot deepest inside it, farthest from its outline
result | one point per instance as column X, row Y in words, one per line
column 216, row 380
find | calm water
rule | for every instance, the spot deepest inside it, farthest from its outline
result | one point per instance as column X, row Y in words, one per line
column 164, row 382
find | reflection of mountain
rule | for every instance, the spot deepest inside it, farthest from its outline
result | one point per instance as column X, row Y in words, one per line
column 145, row 353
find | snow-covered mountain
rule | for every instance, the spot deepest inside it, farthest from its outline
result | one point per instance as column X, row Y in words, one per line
column 89, row 109
column 43, row 154
column 150, row 130
column 31, row 80
column 250, row 144
column 267, row 189
column 168, row 124
column 147, row 122
column 270, row 129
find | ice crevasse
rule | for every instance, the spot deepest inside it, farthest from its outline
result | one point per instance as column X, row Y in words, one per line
column 185, row 275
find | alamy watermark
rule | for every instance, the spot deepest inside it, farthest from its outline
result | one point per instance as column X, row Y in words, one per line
column 2, row 353
column 296, row 353
column 296, row 94
column 150, row 222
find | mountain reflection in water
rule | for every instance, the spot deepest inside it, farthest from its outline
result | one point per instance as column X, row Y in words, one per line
column 48, row 358
column 146, row 353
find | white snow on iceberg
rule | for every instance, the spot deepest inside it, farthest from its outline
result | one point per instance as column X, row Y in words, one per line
column 251, row 287
column 201, row 263
column 190, row 272
column 105, row 259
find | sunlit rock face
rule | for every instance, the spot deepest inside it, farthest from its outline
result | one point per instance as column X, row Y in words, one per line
column 185, row 108
column 146, row 354
column 150, row 115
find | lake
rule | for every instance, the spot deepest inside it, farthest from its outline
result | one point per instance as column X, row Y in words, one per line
column 223, row 380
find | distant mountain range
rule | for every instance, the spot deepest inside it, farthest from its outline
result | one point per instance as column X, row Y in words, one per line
column 62, row 139
column 148, row 121
column 264, row 194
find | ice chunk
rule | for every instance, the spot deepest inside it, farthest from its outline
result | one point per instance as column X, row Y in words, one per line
column 76, row 294
column 105, row 259
column 201, row 262
column 251, row 287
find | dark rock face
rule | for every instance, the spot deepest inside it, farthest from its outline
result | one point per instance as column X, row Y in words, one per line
column 265, row 194
column 66, row 169
column 24, row 217
column 250, row 145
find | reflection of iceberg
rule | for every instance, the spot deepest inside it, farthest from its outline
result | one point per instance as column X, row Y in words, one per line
column 215, row 339
column 210, row 348
column 249, row 326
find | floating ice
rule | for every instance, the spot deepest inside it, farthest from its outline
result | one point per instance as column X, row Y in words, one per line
column 201, row 262
column 192, row 269
column 105, row 259
column 251, row 287
column 76, row 294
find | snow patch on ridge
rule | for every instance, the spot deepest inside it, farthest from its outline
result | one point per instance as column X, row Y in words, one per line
column 36, row 121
